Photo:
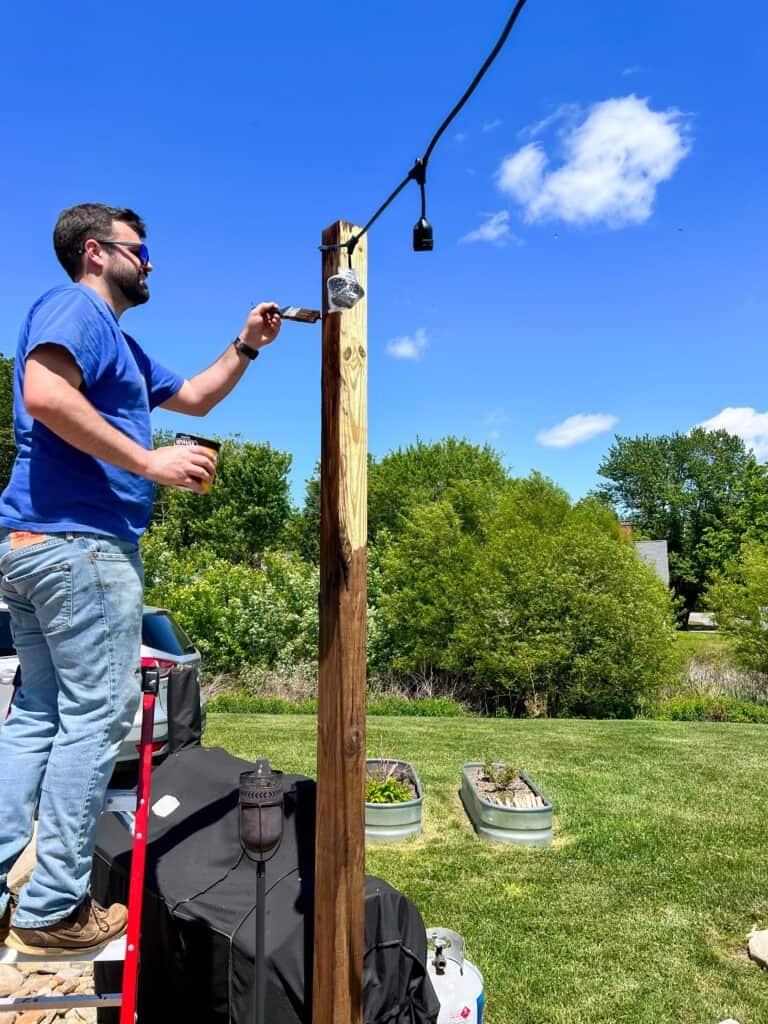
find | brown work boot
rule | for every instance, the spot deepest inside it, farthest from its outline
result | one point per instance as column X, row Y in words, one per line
column 86, row 930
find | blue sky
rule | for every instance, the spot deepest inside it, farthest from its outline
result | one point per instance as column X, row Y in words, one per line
column 599, row 206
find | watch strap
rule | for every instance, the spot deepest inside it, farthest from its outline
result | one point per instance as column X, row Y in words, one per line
column 240, row 345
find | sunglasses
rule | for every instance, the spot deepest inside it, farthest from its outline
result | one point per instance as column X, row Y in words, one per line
column 137, row 248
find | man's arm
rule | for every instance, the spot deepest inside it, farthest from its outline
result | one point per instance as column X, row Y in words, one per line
column 201, row 393
column 52, row 395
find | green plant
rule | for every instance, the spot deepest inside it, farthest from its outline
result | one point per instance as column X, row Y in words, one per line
column 386, row 791
column 500, row 775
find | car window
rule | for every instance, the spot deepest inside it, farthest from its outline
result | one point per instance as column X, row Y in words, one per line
column 6, row 640
column 161, row 631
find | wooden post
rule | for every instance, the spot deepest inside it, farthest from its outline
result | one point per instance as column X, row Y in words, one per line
column 340, row 846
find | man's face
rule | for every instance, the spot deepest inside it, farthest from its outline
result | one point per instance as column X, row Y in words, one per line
column 123, row 267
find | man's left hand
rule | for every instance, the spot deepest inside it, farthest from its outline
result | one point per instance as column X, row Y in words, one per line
column 262, row 325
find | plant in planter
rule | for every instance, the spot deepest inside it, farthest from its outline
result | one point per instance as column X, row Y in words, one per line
column 393, row 799
column 504, row 805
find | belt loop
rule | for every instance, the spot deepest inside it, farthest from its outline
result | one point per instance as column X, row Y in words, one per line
column 70, row 536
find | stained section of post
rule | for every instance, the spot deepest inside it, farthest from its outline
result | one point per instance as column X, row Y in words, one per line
column 340, row 846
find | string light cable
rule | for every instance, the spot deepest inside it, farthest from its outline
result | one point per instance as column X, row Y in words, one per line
column 422, row 232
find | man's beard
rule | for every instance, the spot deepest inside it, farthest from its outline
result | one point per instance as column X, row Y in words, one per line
column 132, row 284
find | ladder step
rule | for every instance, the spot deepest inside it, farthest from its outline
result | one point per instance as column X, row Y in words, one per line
column 120, row 800
column 46, row 1003
column 115, row 950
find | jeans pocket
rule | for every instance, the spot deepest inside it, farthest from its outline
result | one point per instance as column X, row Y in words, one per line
column 49, row 591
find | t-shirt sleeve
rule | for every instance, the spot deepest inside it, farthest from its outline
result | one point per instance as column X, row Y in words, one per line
column 69, row 319
column 162, row 383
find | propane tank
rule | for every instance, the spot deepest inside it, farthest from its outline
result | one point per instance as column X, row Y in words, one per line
column 457, row 983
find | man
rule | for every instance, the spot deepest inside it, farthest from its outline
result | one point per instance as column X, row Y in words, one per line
column 79, row 497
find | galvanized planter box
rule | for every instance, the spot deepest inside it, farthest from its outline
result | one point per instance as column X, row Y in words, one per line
column 392, row 823
column 522, row 826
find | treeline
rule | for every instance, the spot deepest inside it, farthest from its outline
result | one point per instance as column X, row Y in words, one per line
column 499, row 589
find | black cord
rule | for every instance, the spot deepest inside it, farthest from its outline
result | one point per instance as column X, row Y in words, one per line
column 418, row 172
column 476, row 80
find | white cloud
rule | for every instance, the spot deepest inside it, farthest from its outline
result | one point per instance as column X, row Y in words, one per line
column 521, row 175
column 460, row 137
column 565, row 112
column 748, row 424
column 615, row 158
column 634, row 70
column 576, row 429
column 494, row 228
column 489, row 126
column 409, row 346
column 495, row 420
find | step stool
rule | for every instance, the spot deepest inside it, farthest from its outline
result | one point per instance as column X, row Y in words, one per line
column 133, row 807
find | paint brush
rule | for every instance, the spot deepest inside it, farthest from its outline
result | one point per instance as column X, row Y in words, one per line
column 300, row 314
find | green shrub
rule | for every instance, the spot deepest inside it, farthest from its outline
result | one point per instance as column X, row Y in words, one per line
column 553, row 613
column 739, row 598
column 425, row 707
column 237, row 614
column 428, row 707
column 230, row 703
column 711, row 709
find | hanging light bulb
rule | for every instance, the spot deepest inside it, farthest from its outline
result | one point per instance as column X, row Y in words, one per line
column 423, row 239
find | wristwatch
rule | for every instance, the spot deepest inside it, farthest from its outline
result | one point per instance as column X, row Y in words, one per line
column 240, row 345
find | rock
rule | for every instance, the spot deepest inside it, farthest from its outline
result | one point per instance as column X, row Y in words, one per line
column 10, row 980
column 31, row 1017
column 758, row 947
column 35, row 985
column 70, row 972
column 35, row 967
column 7, row 1018
column 729, row 1021
column 65, row 986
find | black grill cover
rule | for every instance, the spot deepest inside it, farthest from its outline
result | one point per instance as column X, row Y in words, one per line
column 198, row 924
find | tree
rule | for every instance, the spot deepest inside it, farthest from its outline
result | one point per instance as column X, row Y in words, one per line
column 7, row 442
column 701, row 492
column 566, row 616
column 467, row 476
column 545, row 607
column 739, row 598
column 245, row 512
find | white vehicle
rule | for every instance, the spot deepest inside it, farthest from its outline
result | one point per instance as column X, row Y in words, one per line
column 164, row 645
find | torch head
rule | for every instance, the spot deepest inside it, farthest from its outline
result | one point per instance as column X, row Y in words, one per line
column 261, row 811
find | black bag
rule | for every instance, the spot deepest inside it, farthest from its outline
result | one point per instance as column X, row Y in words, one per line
column 185, row 723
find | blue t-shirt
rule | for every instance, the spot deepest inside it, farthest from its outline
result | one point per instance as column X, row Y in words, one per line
column 54, row 487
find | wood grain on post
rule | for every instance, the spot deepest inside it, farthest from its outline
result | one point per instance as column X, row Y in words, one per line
column 337, row 996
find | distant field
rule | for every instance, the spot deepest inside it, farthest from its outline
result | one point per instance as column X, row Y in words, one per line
column 640, row 911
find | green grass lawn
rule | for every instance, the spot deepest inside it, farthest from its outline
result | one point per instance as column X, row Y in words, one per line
column 640, row 911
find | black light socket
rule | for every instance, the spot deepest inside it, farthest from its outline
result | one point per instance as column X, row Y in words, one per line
column 423, row 240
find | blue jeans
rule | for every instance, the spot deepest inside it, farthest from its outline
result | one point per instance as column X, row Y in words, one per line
column 75, row 602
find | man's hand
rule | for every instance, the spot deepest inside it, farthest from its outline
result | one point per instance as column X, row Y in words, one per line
column 262, row 325
column 179, row 465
